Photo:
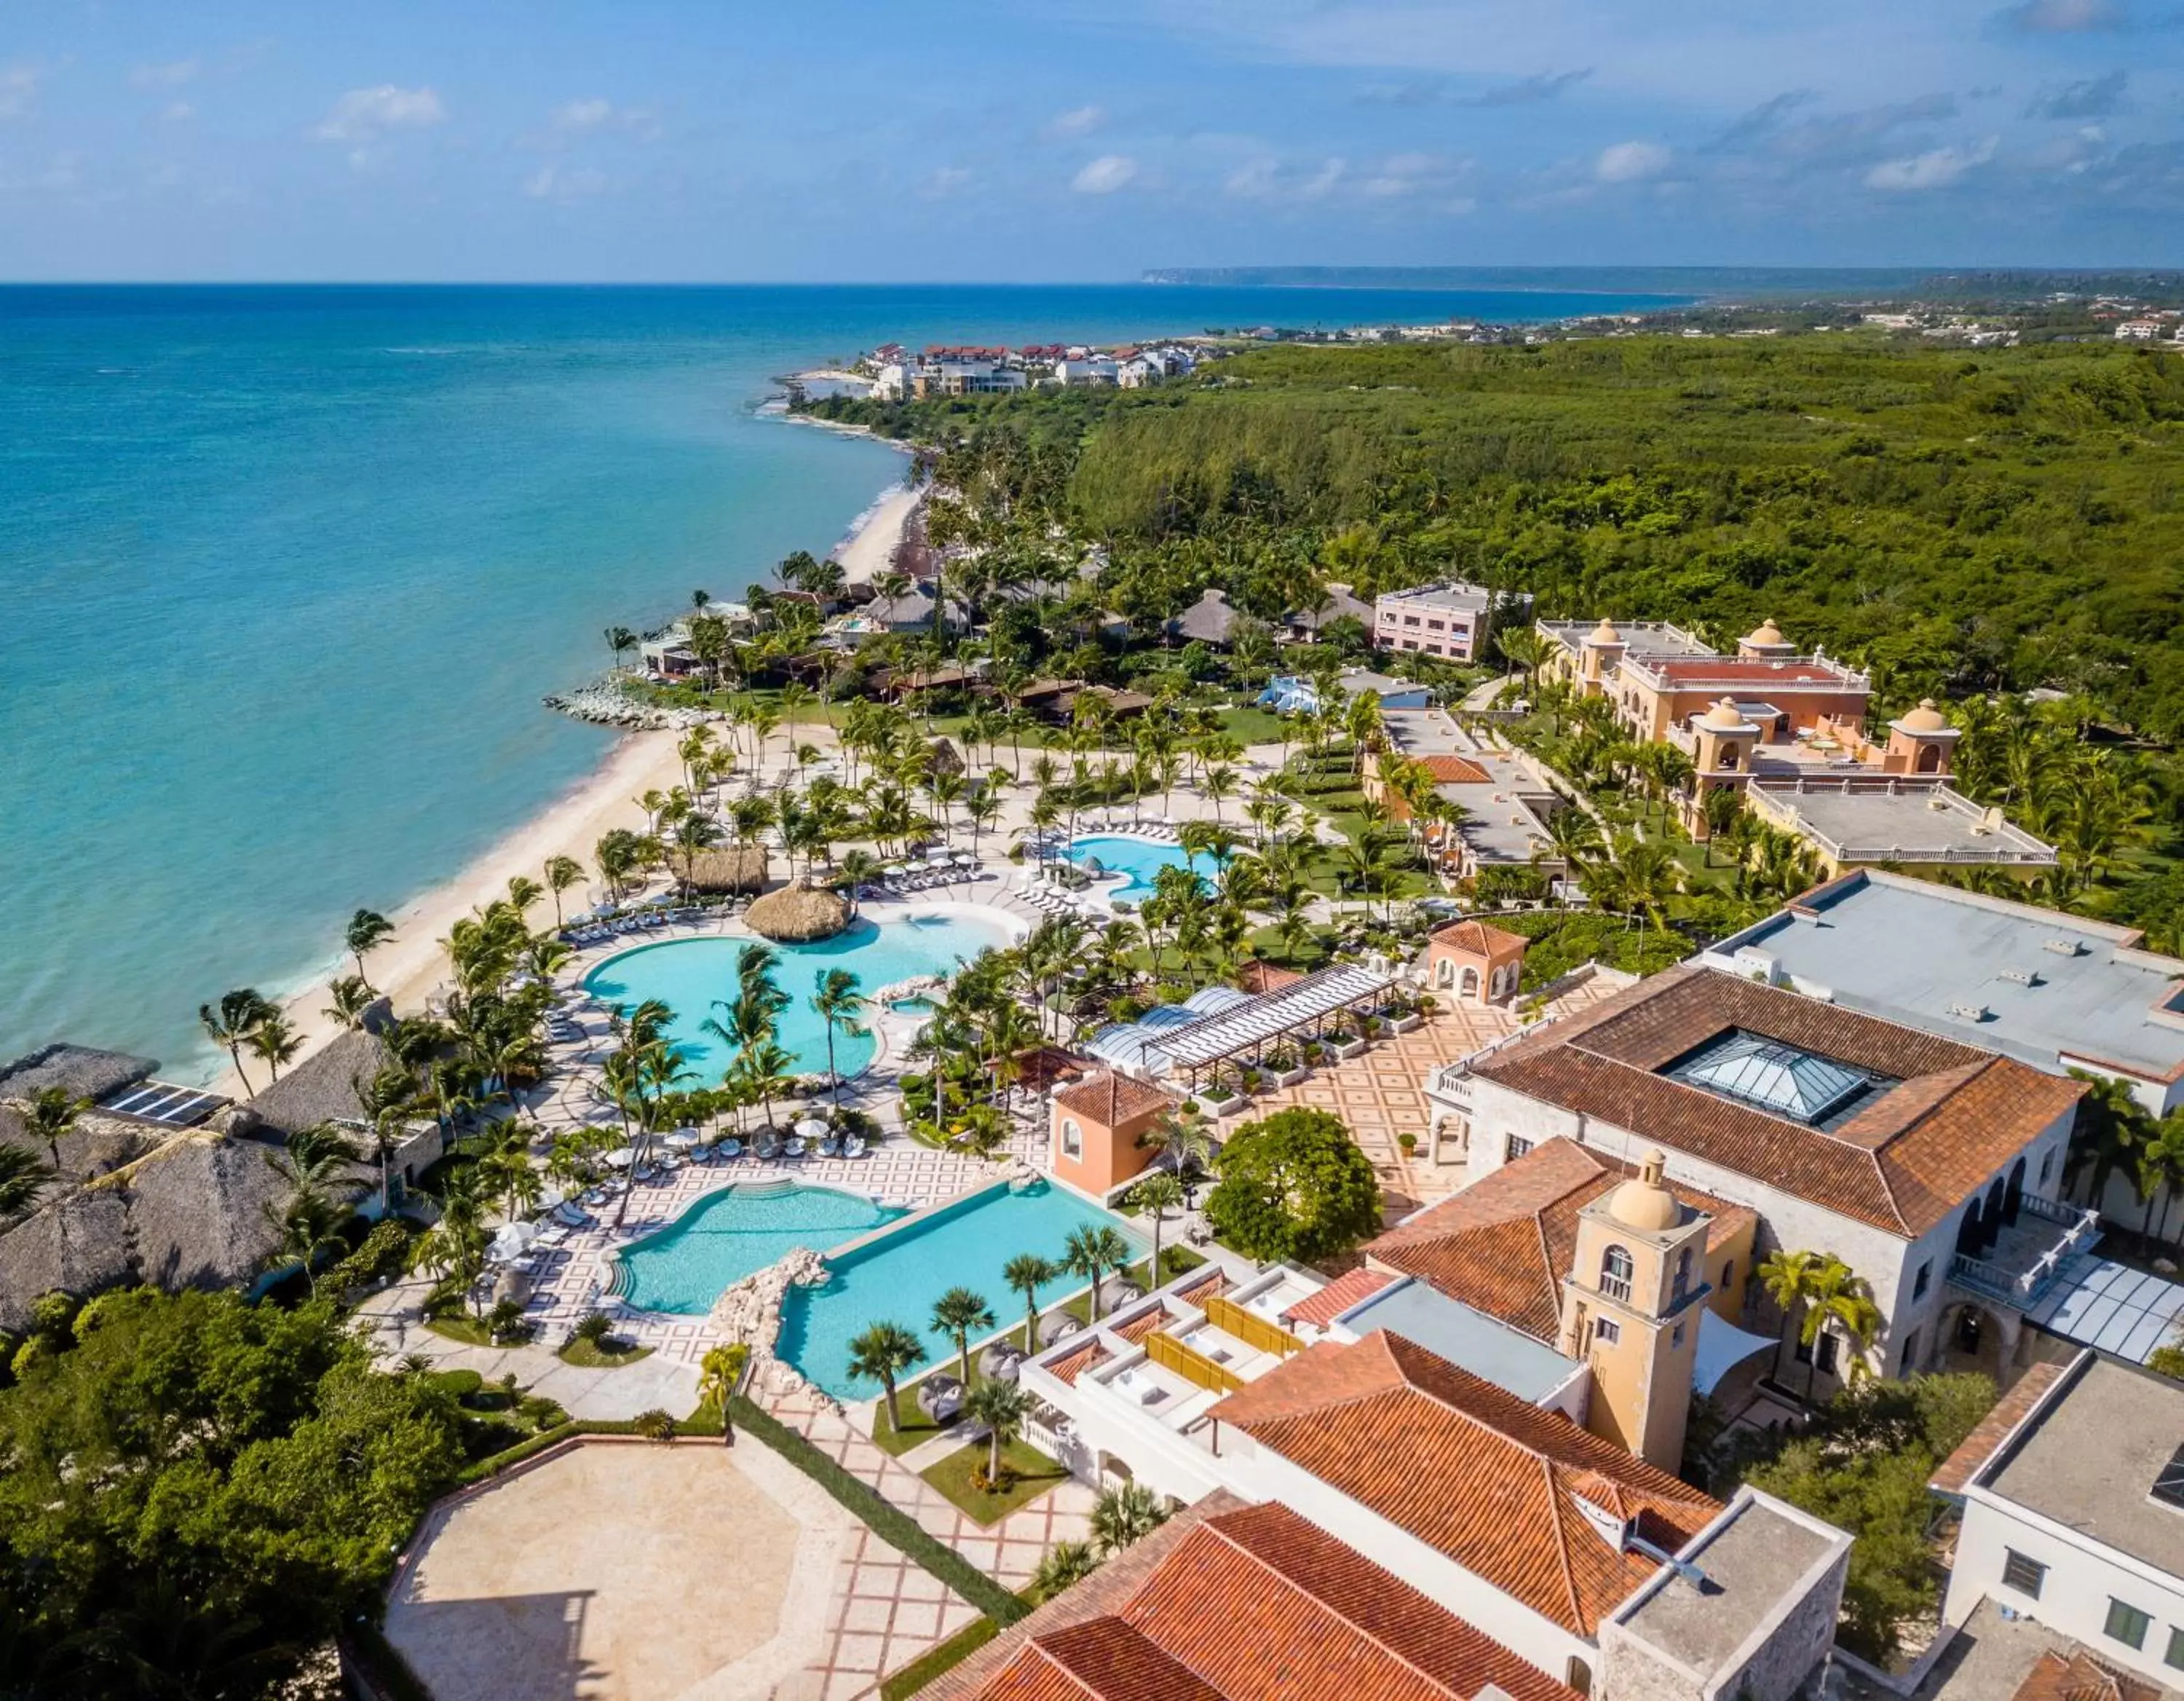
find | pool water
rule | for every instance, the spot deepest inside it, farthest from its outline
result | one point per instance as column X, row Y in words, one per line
column 688, row 974
column 897, row 1277
column 725, row 1236
column 1141, row 859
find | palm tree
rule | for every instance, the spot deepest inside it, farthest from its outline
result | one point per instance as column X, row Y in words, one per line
column 1787, row 1277
column 230, row 1024
column 351, row 999
column 276, row 1042
column 620, row 640
column 836, row 1000
column 1002, row 1408
column 49, row 1116
column 718, row 1372
column 881, row 1354
column 1124, row 1515
column 308, row 1222
column 1184, row 1142
column 859, row 867
column 1065, row 1565
column 956, row 1314
column 562, row 872
column 1838, row 1296
column 1091, row 1252
column 1026, row 1273
column 1159, row 1193
column 366, row 929
column 23, row 1177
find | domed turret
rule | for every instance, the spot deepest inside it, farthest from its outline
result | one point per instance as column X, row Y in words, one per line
column 1925, row 718
column 1766, row 635
column 1724, row 714
column 1605, row 633
column 1643, row 1202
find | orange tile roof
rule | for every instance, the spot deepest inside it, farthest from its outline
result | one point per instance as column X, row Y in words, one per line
column 1902, row 1164
column 1454, row 770
column 1109, row 1097
column 1242, row 1604
column 1973, row 1453
column 2080, row 1677
column 1478, row 937
column 1504, row 1244
column 1257, row 976
column 1346, row 1290
column 1143, row 1324
column 1087, row 1358
column 1487, row 1478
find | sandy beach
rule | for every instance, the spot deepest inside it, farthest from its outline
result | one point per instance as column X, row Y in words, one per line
column 413, row 965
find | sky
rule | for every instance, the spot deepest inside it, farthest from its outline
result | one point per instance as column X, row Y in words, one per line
column 1085, row 140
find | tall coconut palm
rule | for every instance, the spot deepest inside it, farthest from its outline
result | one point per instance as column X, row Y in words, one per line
column 1026, row 1273
column 1837, row 1294
column 1002, row 1408
column 233, row 1020
column 367, row 930
column 1091, row 1252
column 1159, row 1193
column 881, row 1354
column 562, row 872
column 955, row 1314
column 275, row 1043
column 836, row 1000
column 718, row 1373
column 351, row 999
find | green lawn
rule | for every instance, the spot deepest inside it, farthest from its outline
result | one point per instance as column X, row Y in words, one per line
column 587, row 1355
column 943, row 1656
column 912, row 1427
column 1254, row 726
column 458, row 1326
column 1035, row 1474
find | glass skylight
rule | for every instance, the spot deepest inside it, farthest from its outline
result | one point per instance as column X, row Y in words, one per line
column 1775, row 1076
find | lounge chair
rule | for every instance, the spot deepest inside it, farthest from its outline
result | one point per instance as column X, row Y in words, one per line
column 730, row 1147
column 831, row 1146
column 854, row 1146
column 796, row 1147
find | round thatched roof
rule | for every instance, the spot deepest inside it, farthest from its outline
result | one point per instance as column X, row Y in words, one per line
column 799, row 912
column 731, row 869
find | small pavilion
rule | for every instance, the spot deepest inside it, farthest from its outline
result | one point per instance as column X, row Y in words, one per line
column 1475, row 963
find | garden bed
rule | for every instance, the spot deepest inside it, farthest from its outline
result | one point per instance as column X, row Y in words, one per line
column 1035, row 1474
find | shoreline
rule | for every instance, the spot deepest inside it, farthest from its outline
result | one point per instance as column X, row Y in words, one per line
column 413, row 965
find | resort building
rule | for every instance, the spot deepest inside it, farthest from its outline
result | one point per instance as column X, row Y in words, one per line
column 1500, row 803
column 1585, row 655
column 2057, row 991
column 1472, row 1483
column 1096, row 1128
column 1450, row 619
column 2072, row 1494
column 1861, row 821
column 1929, row 1166
column 1337, row 602
column 1474, row 963
column 1210, row 620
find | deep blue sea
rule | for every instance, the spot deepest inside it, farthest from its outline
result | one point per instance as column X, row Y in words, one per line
column 284, row 572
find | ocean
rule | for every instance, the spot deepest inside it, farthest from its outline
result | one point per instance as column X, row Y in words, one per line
column 284, row 572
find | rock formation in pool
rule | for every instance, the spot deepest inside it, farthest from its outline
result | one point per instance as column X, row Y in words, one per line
column 798, row 914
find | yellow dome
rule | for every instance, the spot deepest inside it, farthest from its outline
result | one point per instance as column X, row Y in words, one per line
column 1605, row 633
column 1925, row 718
column 1643, row 1201
column 1724, row 714
column 1768, row 634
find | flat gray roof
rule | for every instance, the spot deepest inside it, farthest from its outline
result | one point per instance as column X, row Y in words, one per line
column 1485, row 1346
column 1461, row 599
column 1909, row 950
column 1750, row 1565
column 1864, row 821
column 2090, row 1457
column 1642, row 639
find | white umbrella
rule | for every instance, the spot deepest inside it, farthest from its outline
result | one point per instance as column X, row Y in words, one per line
column 682, row 1139
column 620, row 1158
column 936, row 854
column 811, row 1128
column 966, row 858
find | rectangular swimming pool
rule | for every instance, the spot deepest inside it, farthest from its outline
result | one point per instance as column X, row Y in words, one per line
column 897, row 1276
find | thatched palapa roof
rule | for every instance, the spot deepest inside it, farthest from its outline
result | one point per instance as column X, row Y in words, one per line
column 80, row 1071
column 798, row 914
column 731, row 869
column 944, row 758
column 327, row 1086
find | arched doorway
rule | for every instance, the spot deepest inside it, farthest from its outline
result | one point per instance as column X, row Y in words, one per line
column 1990, row 1215
column 1468, row 988
column 1975, row 1338
column 2012, row 1197
column 1929, row 759
column 1968, row 1232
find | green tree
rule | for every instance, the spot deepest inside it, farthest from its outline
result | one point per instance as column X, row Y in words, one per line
column 1158, row 1194
column 275, row 1043
column 881, row 1354
column 836, row 1000
column 1091, row 1252
column 1063, row 1566
column 24, row 1176
column 1002, row 1408
column 957, row 1313
column 1124, row 1515
column 49, row 1116
column 367, row 932
column 231, row 1023
column 718, row 1373
column 562, row 872
column 1026, row 1273
column 1294, row 1185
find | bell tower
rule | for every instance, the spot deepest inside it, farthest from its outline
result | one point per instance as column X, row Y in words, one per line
column 1602, row 652
column 1921, row 742
column 1631, row 1305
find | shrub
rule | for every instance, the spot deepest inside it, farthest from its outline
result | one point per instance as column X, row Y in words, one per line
column 595, row 1327
column 460, row 1383
column 655, row 1425
column 1408, row 1142
column 1294, row 1185
column 507, row 1323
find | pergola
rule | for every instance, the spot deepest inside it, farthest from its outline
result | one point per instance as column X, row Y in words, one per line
column 1224, row 1041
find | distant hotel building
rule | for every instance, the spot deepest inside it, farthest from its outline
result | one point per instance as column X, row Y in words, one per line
column 1450, row 619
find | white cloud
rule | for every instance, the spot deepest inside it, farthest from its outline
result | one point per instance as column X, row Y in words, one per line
column 1936, row 168
column 363, row 113
column 181, row 112
column 172, row 76
column 583, row 115
column 1631, row 162
column 1104, row 175
column 555, row 183
column 20, row 83
column 946, row 181
column 1080, row 120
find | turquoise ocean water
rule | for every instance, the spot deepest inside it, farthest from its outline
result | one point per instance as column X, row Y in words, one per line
column 284, row 572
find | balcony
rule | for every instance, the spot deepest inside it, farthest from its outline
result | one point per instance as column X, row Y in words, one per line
column 2030, row 1254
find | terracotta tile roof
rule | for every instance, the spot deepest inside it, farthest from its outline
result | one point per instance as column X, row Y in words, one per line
column 1902, row 1163
column 1109, row 1097
column 1337, row 1296
column 1088, row 1357
column 1454, row 770
column 1971, row 1458
column 1206, row 1284
column 1477, row 1474
column 1504, row 1244
column 1256, row 976
column 1143, row 1324
column 1243, row 1603
column 2082, row 1677
column 1477, row 937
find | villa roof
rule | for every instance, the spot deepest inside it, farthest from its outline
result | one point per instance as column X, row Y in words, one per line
column 1505, row 1244
column 1209, row 620
column 1490, row 1480
column 81, row 1071
column 1065, row 1371
column 1944, row 1120
column 1347, row 1290
column 327, row 1086
column 1449, row 768
column 1987, row 1435
column 1478, row 937
column 2079, row 1676
column 1238, row 1603
column 1260, row 976
column 1112, row 1096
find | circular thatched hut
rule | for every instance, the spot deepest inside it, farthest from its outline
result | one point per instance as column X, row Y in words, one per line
column 798, row 914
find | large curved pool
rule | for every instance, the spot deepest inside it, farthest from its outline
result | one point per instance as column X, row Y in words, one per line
column 726, row 1236
column 689, row 974
column 1140, row 859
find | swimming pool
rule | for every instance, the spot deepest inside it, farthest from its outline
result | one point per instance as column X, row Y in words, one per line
column 725, row 1236
column 1141, row 859
column 897, row 1278
column 688, row 974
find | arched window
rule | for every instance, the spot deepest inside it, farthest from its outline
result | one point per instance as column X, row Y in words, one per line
column 1683, row 1273
column 1615, row 1268
column 1729, row 755
column 1072, row 1137
column 1580, row 1675
column 1929, row 758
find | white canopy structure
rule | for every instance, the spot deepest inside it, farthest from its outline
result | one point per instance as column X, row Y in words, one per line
column 1214, row 1027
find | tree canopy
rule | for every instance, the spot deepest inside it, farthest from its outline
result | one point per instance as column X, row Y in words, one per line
column 1294, row 1185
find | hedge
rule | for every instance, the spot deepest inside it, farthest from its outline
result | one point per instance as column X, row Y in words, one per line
column 943, row 1656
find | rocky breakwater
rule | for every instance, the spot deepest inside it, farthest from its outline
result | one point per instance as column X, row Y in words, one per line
column 749, row 1313
column 605, row 704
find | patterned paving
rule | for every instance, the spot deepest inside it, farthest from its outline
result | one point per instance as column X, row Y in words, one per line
column 1381, row 1094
